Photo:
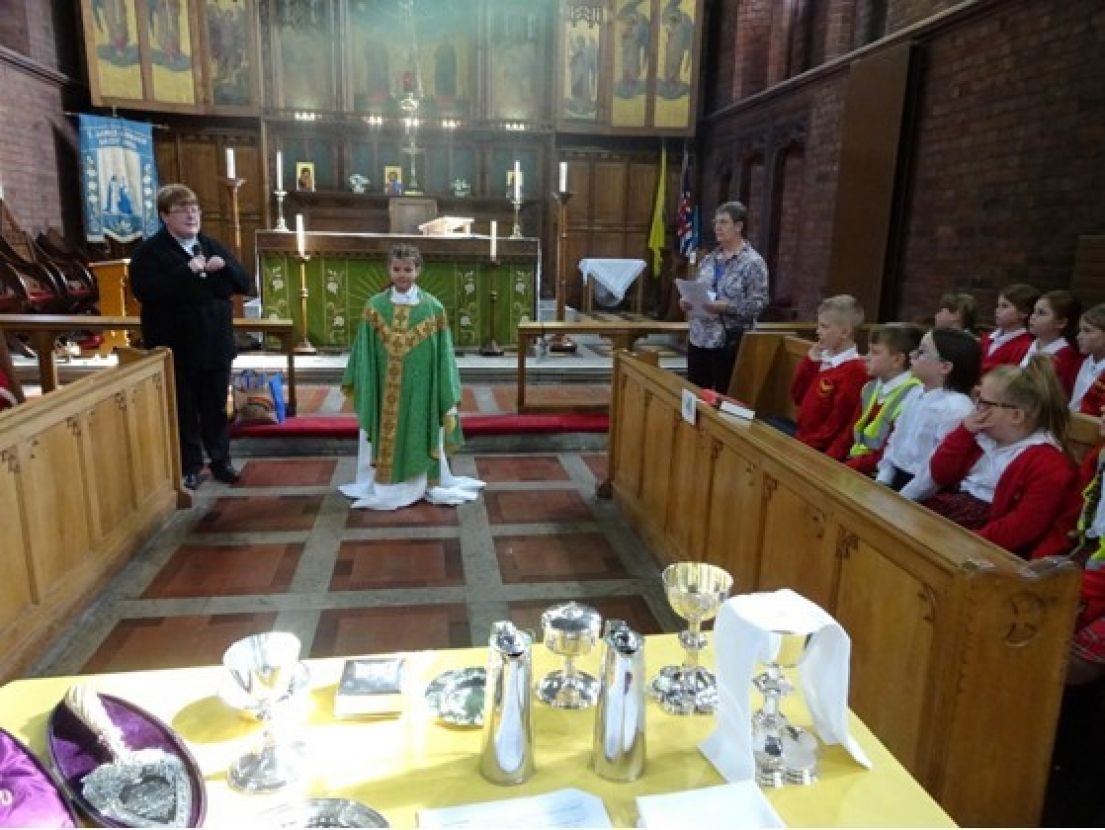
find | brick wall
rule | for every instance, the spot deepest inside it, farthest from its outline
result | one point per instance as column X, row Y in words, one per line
column 37, row 140
column 902, row 13
column 1007, row 167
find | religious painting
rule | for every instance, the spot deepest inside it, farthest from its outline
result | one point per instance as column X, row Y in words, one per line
column 516, row 43
column 111, row 44
column 393, row 180
column 374, row 52
column 581, row 39
column 675, row 69
column 305, row 46
column 305, row 176
column 632, row 51
column 170, row 40
column 230, row 52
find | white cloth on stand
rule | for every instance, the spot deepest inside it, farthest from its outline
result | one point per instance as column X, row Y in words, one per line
column 615, row 275
column 744, row 636
column 370, row 494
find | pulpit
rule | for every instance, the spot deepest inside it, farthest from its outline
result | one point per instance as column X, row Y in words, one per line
column 614, row 275
column 346, row 268
column 116, row 299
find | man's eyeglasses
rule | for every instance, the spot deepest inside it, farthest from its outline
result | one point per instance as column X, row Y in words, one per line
column 185, row 210
column 984, row 405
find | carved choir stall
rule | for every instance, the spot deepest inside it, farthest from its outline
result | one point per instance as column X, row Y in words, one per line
column 344, row 269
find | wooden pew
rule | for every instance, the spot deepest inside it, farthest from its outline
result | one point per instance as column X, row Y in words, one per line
column 45, row 328
column 87, row 474
column 959, row 649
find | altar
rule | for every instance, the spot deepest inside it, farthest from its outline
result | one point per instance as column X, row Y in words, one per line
column 344, row 269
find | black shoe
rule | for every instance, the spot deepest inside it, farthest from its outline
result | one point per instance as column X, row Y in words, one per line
column 192, row 480
column 225, row 473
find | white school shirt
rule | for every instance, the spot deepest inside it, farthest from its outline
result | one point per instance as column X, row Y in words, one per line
column 982, row 480
column 1000, row 338
column 1053, row 348
column 922, row 425
column 832, row 361
column 412, row 297
column 1087, row 374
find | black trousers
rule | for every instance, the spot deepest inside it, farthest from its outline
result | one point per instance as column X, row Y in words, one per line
column 713, row 368
column 201, row 416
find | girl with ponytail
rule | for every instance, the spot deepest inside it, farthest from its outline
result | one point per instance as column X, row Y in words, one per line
column 1005, row 471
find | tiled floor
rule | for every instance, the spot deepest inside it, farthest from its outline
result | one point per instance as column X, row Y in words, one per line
column 282, row 549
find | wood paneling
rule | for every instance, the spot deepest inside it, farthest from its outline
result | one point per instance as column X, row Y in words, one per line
column 959, row 648
column 86, row 474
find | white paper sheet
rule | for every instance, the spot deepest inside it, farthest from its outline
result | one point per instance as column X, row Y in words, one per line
column 560, row 808
column 732, row 806
column 697, row 295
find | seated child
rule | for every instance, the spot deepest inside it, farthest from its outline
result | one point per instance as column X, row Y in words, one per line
column 1005, row 470
column 1009, row 340
column 1054, row 324
column 946, row 364
column 882, row 397
column 1089, row 384
column 828, row 381
column 1087, row 658
column 957, row 311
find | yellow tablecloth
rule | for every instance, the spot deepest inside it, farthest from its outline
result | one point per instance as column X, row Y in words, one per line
column 398, row 765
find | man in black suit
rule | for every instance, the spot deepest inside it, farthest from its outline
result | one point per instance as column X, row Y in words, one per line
column 184, row 281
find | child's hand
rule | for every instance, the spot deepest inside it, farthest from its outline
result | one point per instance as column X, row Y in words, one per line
column 976, row 421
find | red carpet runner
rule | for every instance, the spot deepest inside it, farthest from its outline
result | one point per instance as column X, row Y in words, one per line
column 345, row 426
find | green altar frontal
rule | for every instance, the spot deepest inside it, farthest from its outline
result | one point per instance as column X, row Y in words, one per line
column 343, row 270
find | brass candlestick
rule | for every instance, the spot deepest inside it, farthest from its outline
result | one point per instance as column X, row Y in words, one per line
column 491, row 347
column 241, row 339
column 304, row 346
column 561, row 342
column 281, row 225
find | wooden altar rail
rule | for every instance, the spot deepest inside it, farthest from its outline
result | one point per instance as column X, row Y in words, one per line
column 44, row 329
column 765, row 367
column 87, row 474
column 959, row 649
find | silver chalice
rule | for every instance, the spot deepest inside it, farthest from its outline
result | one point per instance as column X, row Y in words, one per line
column 570, row 630
column 696, row 591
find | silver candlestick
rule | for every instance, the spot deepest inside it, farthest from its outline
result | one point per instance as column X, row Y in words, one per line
column 281, row 225
column 516, row 200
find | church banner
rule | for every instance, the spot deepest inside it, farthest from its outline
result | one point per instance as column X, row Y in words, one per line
column 118, row 179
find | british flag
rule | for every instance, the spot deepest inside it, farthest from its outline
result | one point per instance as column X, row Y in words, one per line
column 686, row 223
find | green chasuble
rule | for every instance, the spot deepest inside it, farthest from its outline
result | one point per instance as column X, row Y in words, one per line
column 404, row 380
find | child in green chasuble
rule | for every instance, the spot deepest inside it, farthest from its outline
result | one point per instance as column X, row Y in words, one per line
column 403, row 380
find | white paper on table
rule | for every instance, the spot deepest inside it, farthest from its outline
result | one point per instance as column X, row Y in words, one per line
column 697, row 294
column 733, row 806
column 560, row 808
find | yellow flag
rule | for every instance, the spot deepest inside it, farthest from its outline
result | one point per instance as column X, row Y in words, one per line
column 656, row 234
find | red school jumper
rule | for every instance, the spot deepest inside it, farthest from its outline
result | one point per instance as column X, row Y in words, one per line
column 1011, row 352
column 1094, row 398
column 1031, row 496
column 826, row 400
column 1067, row 362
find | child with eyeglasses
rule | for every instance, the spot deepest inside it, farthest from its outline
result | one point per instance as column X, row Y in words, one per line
column 882, row 398
column 1010, row 339
column 1005, row 471
column 1054, row 325
column 946, row 365
column 1088, row 396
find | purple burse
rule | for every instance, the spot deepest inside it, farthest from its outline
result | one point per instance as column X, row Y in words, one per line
column 121, row 765
column 29, row 795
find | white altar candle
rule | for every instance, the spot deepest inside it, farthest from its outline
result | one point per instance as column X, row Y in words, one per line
column 517, row 180
column 563, row 177
column 279, row 170
column 300, row 235
column 494, row 239
column 230, row 163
